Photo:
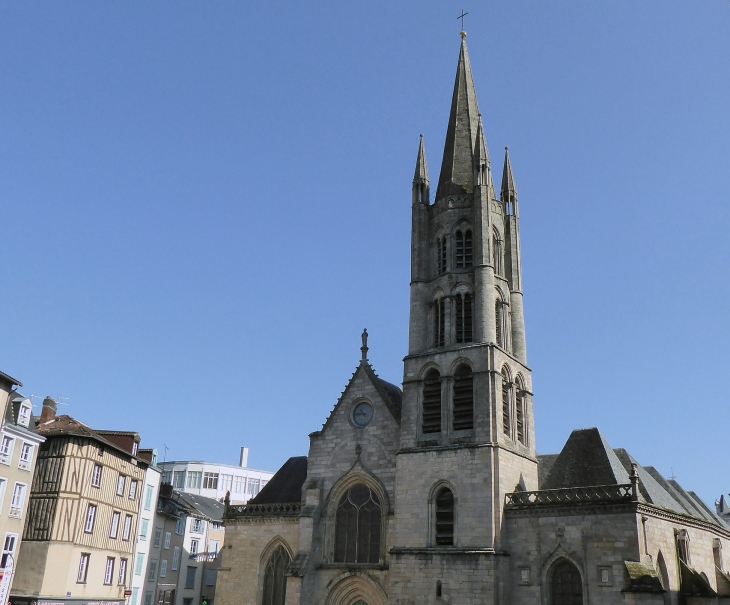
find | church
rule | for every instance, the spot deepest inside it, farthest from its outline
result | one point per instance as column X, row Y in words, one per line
column 434, row 493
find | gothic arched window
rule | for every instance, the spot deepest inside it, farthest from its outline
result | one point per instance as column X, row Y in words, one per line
column 431, row 418
column 357, row 526
column 498, row 321
column 439, row 322
column 506, row 403
column 567, row 587
column 463, row 318
column 441, row 255
column 520, row 402
column 275, row 577
column 498, row 253
column 445, row 517
column 463, row 255
column 463, row 398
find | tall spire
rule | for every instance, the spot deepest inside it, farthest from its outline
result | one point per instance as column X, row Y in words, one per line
column 457, row 174
column 421, row 175
column 509, row 191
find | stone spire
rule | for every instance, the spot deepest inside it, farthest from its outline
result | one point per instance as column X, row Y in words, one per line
column 457, row 176
column 421, row 175
column 509, row 191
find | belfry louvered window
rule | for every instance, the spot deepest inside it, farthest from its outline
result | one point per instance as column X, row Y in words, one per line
column 275, row 577
column 498, row 254
column 506, row 405
column 439, row 322
column 463, row 318
column 441, row 255
column 445, row 517
column 463, row 255
column 357, row 526
column 520, row 413
column 463, row 398
column 431, row 407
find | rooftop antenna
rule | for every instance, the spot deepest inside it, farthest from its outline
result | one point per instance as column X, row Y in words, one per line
column 672, row 477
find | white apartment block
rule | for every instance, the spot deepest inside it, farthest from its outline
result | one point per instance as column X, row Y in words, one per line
column 213, row 480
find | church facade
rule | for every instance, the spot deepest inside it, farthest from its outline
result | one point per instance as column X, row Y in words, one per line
column 435, row 493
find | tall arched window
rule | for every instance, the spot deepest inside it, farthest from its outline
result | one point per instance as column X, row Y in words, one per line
column 431, row 418
column 520, row 402
column 463, row 255
column 506, row 403
column 498, row 253
column 439, row 322
column 441, row 255
column 445, row 517
column 275, row 577
column 463, row 318
column 567, row 587
column 468, row 254
column 463, row 398
column 357, row 526
column 498, row 308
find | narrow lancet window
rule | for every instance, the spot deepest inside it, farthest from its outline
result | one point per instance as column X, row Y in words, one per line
column 459, row 252
column 498, row 254
column 498, row 321
column 441, row 255
column 463, row 318
column 468, row 254
column 275, row 577
column 445, row 517
column 439, row 323
column 520, row 402
column 431, row 417
column 463, row 398
column 506, row 404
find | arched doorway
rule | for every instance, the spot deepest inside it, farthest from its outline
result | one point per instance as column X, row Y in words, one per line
column 566, row 585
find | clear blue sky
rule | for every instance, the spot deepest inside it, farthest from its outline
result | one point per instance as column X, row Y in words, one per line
column 204, row 204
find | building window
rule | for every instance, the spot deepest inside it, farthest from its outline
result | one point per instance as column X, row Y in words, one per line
column 194, row 544
column 133, row 490
column 26, row 455
column 239, row 485
column 520, row 403
column 439, row 322
column 90, row 518
column 83, row 568
column 16, row 503
column 175, row 557
column 506, row 401
column 3, row 485
column 158, row 537
column 197, row 526
column 195, row 478
column 139, row 564
column 8, row 548
column 180, row 525
column 144, row 527
column 127, row 527
column 463, row 398
column 431, row 419
column 210, row 577
column 135, row 446
column 122, row 572
column 445, row 517
column 253, row 486
column 179, row 480
column 226, row 483
column 148, row 598
column 498, row 254
column 167, row 477
column 152, row 574
column 148, row 498
column 187, row 601
column 682, row 538
column 163, row 568
column 441, row 255
column 114, row 530
column 6, row 449
column 96, row 476
column 167, row 540
column 120, row 485
column 210, row 480
column 463, row 318
column 133, row 598
column 567, row 587
column 463, row 255
column 275, row 577
column 190, row 577
column 109, row 570
column 357, row 526
column 24, row 415
column 213, row 546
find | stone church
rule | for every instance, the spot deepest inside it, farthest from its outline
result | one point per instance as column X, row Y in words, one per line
column 435, row 493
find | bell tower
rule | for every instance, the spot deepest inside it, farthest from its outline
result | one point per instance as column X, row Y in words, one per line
column 467, row 435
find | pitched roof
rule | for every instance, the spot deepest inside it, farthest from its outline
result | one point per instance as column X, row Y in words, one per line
column 286, row 485
column 195, row 505
column 13, row 381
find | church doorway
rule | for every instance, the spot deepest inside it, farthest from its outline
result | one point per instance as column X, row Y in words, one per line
column 566, row 584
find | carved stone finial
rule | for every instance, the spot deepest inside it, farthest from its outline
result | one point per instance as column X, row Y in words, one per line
column 364, row 347
column 634, row 482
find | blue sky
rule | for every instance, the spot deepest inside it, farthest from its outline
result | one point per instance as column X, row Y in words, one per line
column 204, row 204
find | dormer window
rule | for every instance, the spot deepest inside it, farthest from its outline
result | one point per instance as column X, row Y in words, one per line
column 135, row 445
column 24, row 415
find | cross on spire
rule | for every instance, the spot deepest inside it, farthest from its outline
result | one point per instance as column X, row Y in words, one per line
column 461, row 16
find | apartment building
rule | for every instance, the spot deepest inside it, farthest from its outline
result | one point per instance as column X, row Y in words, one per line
column 19, row 444
column 214, row 480
column 79, row 537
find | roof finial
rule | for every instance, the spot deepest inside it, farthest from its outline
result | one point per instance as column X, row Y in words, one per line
column 461, row 16
column 364, row 347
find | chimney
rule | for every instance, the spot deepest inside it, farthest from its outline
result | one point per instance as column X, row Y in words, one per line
column 244, row 457
column 49, row 410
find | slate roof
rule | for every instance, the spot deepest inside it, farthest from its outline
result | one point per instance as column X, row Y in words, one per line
column 286, row 485
column 195, row 505
column 10, row 379
column 587, row 459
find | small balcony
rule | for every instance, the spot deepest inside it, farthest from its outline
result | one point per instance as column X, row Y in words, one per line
column 204, row 557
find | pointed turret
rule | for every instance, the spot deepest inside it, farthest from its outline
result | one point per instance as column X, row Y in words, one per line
column 421, row 175
column 481, row 157
column 457, row 175
column 509, row 191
